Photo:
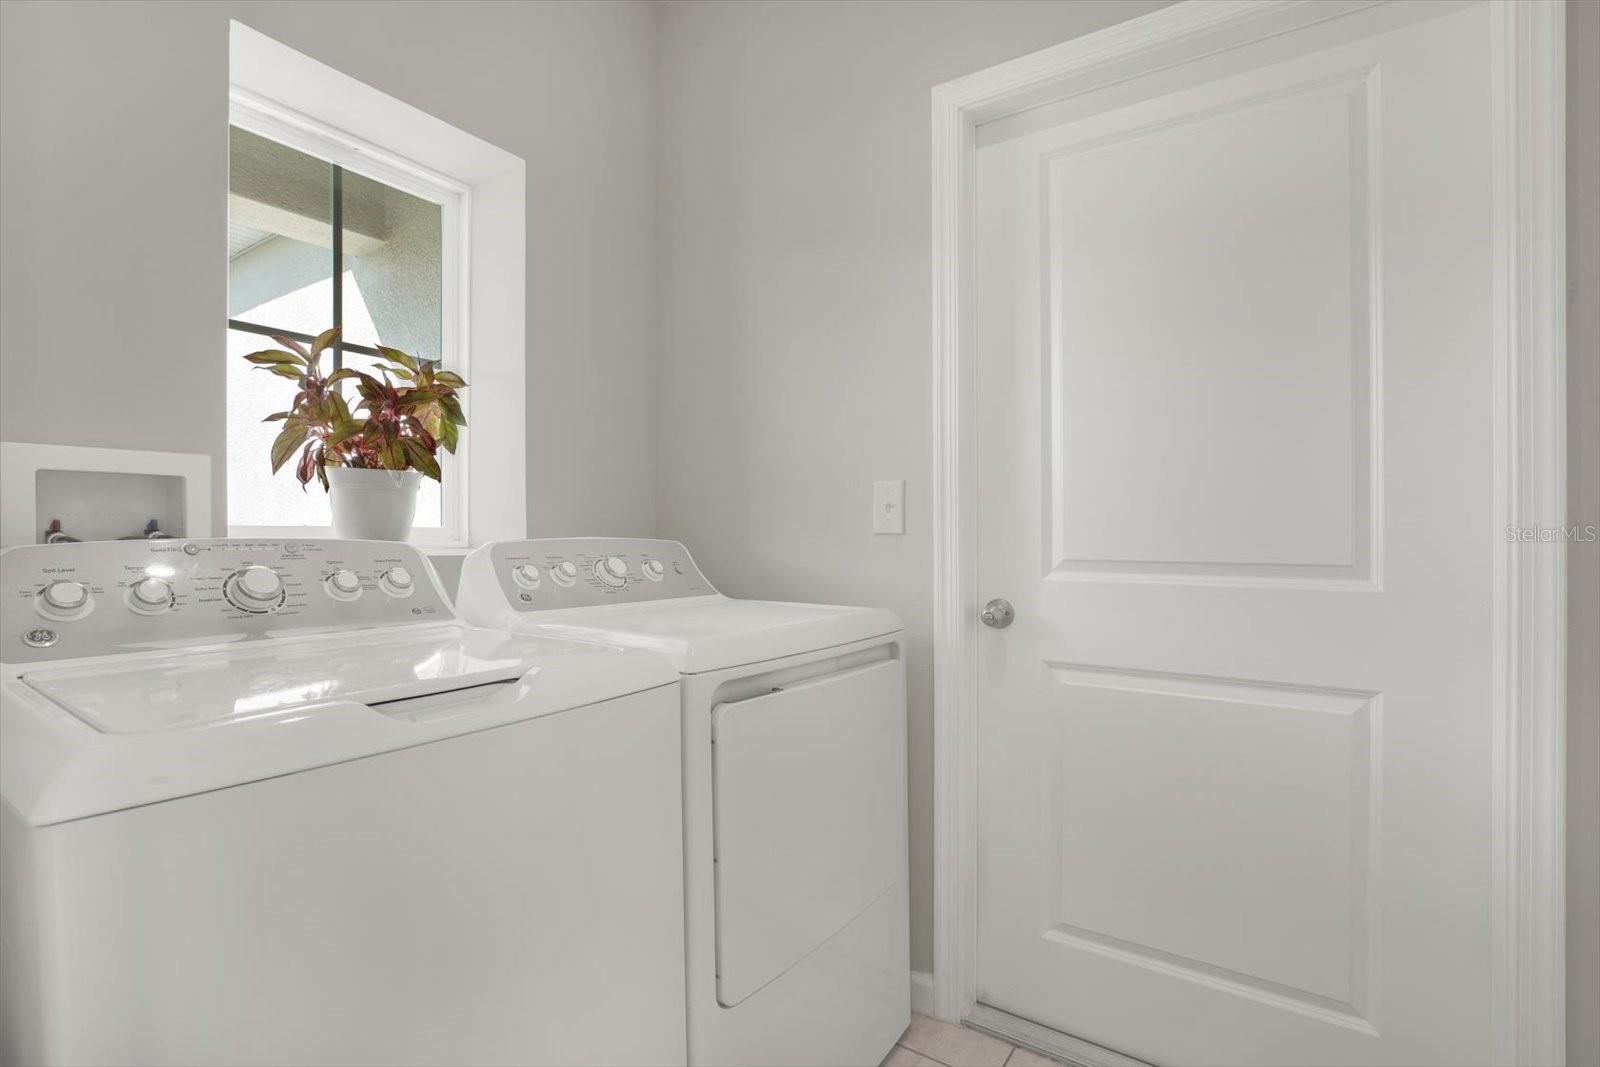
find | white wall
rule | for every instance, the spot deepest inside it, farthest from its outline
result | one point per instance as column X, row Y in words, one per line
column 1583, row 653
column 113, row 211
column 794, row 258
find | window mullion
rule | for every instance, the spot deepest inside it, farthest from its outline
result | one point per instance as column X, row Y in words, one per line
column 338, row 262
column 306, row 338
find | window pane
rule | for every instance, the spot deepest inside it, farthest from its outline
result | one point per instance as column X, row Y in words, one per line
column 392, row 268
column 256, row 496
column 280, row 260
column 280, row 236
column 430, row 504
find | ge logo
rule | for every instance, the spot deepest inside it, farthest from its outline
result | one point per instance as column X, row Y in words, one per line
column 40, row 638
column 527, row 598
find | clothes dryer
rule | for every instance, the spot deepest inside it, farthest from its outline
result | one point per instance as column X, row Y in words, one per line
column 794, row 757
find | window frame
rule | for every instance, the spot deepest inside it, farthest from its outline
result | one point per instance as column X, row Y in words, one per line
column 292, row 129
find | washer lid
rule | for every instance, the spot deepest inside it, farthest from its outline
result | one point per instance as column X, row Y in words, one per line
column 714, row 632
column 101, row 736
column 232, row 685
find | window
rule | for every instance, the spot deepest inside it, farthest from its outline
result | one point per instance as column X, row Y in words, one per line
column 310, row 123
column 314, row 242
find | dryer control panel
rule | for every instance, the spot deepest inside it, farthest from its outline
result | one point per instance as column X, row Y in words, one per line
column 95, row 598
column 580, row 572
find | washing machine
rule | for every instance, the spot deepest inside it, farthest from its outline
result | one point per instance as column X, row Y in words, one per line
column 794, row 759
column 272, row 802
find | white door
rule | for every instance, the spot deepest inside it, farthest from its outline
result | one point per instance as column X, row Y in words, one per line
column 1235, row 462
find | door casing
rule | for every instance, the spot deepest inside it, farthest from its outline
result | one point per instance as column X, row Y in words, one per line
column 1529, row 224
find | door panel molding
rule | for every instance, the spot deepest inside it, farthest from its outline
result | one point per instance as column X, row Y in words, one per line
column 1528, row 112
column 1346, row 552
column 1099, row 748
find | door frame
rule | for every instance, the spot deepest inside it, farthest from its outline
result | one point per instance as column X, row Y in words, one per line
column 1529, row 293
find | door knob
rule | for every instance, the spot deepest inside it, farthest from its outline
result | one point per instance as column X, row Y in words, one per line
column 998, row 614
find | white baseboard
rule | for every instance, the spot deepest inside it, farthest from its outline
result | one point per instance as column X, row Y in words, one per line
column 1053, row 1043
column 922, row 992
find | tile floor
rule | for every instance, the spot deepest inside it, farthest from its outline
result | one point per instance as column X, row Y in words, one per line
column 931, row 1043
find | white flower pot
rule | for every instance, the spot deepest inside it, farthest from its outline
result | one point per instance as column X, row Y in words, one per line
column 373, row 505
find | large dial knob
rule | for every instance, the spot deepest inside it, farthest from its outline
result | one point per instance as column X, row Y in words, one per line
column 611, row 570
column 255, row 589
column 653, row 569
column 396, row 581
column 525, row 575
column 343, row 584
column 64, row 599
column 564, row 573
column 150, row 596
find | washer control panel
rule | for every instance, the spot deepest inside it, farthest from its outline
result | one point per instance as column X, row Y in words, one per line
column 95, row 598
column 577, row 572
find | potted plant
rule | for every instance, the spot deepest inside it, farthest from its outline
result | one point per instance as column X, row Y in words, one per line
column 371, row 460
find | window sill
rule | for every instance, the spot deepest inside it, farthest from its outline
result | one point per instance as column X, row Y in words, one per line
column 323, row 533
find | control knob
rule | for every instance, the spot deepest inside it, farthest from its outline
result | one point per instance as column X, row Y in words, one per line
column 564, row 573
column 653, row 569
column 396, row 581
column 612, row 571
column 64, row 599
column 255, row 589
column 150, row 596
column 525, row 575
column 343, row 584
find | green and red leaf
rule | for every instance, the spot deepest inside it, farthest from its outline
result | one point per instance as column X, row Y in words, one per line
column 433, row 418
column 396, row 356
column 420, row 458
column 292, row 436
column 324, row 339
column 291, row 344
column 270, row 356
column 452, row 408
column 398, row 372
column 344, row 431
column 303, row 470
column 341, row 410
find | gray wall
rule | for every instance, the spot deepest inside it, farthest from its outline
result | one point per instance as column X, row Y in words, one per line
column 113, row 171
column 795, row 251
column 1583, row 653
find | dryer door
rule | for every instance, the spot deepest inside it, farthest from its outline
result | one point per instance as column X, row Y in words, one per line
column 810, row 814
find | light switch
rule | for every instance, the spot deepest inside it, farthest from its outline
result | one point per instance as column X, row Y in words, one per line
column 889, row 507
